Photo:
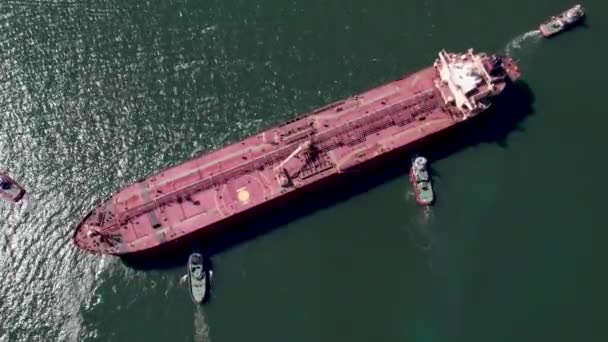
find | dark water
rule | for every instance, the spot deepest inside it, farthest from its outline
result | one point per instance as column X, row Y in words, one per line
column 95, row 94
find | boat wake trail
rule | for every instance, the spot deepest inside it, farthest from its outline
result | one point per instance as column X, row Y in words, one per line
column 27, row 204
column 420, row 231
column 521, row 42
column 423, row 236
column 201, row 328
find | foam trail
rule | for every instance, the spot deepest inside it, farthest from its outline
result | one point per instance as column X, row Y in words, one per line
column 419, row 228
column 201, row 328
column 521, row 41
column 26, row 205
column 420, row 231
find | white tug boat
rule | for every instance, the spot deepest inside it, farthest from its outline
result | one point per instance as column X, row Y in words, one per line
column 563, row 21
column 421, row 182
column 197, row 278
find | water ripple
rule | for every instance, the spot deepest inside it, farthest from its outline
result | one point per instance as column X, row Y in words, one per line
column 100, row 93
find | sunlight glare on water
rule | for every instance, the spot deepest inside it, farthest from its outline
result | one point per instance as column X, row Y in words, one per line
column 97, row 94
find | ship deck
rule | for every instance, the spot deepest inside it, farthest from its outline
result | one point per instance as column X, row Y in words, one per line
column 217, row 185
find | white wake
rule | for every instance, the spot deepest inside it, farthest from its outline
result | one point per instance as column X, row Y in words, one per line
column 521, row 42
column 201, row 328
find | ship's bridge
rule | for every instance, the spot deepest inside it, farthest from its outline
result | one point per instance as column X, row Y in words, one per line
column 465, row 77
column 464, row 82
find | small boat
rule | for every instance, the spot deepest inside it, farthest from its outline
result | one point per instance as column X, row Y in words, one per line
column 421, row 182
column 562, row 22
column 9, row 189
column 197, row 278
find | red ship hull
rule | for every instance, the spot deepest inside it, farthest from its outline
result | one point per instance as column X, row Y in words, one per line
column 207, row 194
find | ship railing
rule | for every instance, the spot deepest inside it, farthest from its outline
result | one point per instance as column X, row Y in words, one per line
column 329, row 106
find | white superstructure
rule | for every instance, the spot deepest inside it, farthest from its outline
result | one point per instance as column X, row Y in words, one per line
column 464, row 81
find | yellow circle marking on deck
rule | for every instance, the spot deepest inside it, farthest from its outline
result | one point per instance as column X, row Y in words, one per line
column 243, row 195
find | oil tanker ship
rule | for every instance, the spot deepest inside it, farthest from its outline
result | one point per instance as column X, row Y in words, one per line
column 204, row 194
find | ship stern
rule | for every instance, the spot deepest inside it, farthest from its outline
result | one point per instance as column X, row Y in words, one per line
column 511, row 68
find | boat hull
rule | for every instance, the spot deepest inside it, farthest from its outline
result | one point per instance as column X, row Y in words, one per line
column 548, row 32
column 237, row 227
column 563, row 22
column 198, row 287
column 420, row 198
column 217, row 190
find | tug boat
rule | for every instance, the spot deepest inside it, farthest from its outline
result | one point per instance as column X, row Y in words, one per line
column 562, row 22
column 10, row 190
column 421, row 182
column 197, row 278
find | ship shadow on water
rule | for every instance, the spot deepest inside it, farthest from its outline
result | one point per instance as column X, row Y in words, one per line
column 504, row 118
column 494, row 127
